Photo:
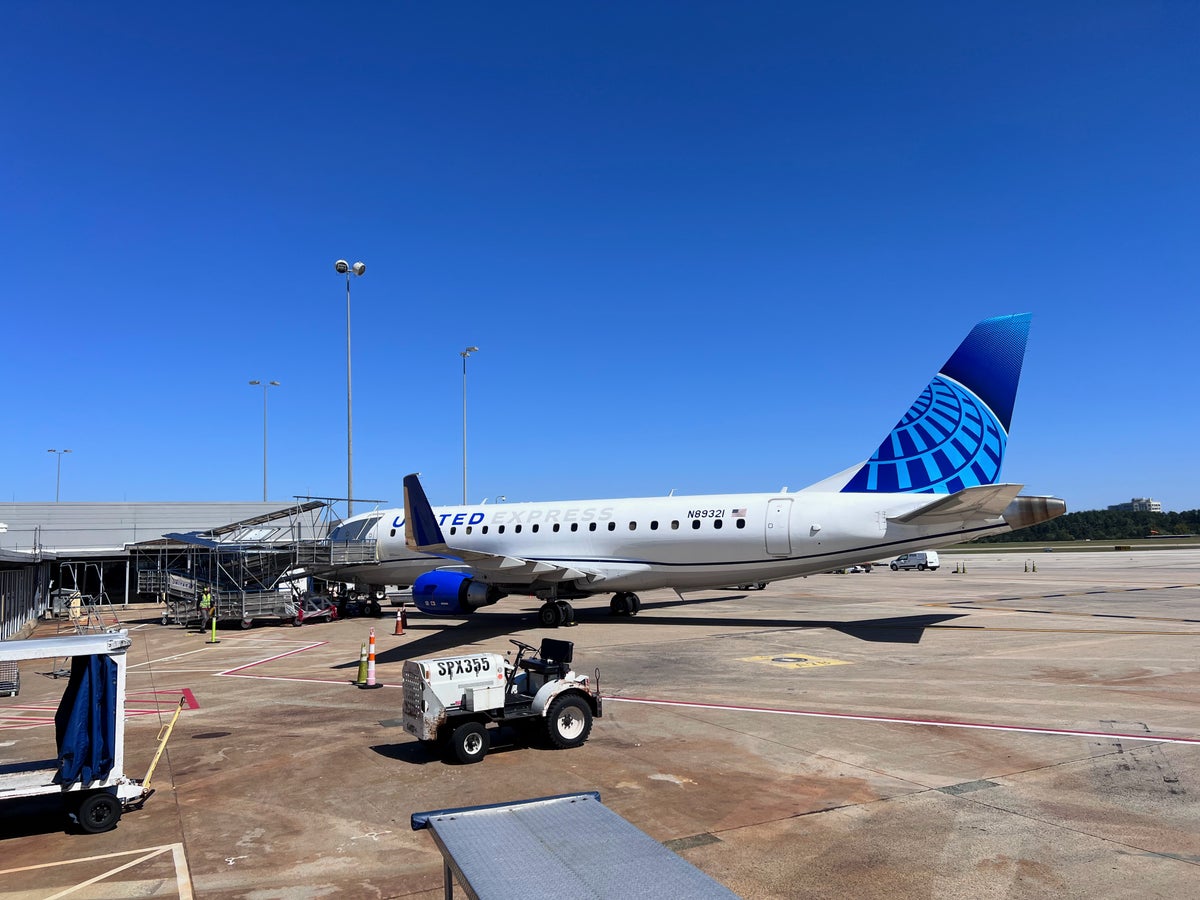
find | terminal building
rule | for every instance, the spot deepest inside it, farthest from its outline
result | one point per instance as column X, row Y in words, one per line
column 116, row 553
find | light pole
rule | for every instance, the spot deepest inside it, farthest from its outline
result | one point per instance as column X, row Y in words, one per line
column 58, row 477
column 344, row 268
column 464, row 354
column 264, row 387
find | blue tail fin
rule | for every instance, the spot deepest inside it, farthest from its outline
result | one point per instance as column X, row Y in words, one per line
column 954, row 435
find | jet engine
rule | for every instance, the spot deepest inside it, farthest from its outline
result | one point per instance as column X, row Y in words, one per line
column 442, row 593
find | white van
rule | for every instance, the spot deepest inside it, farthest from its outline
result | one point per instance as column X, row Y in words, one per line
column 922, row 560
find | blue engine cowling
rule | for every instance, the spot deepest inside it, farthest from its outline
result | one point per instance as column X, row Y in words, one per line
column 441, row 593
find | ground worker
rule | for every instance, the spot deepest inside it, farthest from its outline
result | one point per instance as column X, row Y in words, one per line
column 205, row 609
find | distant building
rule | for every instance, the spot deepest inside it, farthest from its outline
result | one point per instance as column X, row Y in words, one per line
column 1139, row 504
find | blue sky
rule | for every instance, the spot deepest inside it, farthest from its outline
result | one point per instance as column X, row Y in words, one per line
column 705, row 247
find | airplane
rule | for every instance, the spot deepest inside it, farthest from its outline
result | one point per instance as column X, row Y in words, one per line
column 933, row 481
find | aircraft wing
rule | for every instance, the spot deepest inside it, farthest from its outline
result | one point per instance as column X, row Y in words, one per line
column 987, row 501
column 423, row 534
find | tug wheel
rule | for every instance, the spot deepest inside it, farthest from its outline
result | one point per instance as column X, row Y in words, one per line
column 469, row 742
column 568, row 721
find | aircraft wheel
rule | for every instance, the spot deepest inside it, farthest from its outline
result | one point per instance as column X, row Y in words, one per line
column 620, row 604
column 635, row 604
column 548, row 615
column 566, row 613
column 469, row 742
column 568, row 721
column 99, row 812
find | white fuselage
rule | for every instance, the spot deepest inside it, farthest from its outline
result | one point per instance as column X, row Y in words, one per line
column 679, row 542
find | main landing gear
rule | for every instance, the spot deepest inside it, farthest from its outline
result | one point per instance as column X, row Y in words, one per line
column 555, row 613
column 558, row 613
column 624, row 604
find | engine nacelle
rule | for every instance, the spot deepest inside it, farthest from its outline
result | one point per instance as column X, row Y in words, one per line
column 440, row 593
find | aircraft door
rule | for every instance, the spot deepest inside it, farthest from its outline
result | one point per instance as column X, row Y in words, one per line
column 779, row 536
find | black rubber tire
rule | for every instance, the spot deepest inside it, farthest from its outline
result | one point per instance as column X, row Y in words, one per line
column 895, row 568
column 548, row 615
column 375, row 609
column 469, row 742
column 246, row 623
column 620, row 604
column 921, row 567
column 635, row 604
column 568, row 721
column 99, row 812
column 566, row 613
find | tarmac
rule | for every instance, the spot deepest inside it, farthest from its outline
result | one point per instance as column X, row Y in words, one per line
column 1013, row 725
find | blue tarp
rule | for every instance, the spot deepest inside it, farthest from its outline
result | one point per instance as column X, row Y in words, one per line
column 86, row 721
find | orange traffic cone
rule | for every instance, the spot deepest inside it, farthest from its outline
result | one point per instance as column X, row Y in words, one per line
column 399, row 621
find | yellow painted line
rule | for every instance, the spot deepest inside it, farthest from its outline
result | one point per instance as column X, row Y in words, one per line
column 796, row 661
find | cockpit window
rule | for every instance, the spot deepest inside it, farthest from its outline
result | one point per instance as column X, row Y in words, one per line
column 354, row 531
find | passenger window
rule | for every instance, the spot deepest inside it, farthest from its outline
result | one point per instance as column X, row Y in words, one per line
column 556, row 528
column 468, row 529
column 484, row 529
column 717, row 523
column 517, row 529
column 591, row 526
column 633, row 526
column 741, row 523
column 535, row 528
column 500, row 528
column 612, row 526
column 393, row 532
column 674, row 524
column 453, row 530
column 695, row 524
column 654, row 525
column 574, row 526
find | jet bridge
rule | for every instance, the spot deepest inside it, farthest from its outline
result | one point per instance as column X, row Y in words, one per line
column 254, row 568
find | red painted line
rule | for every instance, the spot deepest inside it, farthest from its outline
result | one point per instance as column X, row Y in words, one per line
column 895, row 720
column 272, row 658
column 189, row 699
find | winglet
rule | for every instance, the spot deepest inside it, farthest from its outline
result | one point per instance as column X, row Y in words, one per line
column 955, row 433
column 421, row 529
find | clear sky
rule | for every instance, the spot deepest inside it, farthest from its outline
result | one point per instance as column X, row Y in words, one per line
column 706, row 247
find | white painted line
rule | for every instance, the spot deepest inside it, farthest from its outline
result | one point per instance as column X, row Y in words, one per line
column 183, row 879
column 234, row 671
column 894, row 720
column 150, row 662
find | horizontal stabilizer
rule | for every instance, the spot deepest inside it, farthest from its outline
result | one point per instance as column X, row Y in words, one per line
column 987, row 501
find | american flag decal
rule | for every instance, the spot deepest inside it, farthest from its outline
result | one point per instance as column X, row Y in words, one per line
column 740, row 512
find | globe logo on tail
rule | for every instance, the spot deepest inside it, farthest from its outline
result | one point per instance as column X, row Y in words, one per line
column 948, row 440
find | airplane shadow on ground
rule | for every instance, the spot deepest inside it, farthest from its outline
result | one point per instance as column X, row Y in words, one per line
column 485, row 626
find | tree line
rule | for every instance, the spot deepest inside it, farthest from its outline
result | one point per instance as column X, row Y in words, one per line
column 1104, row 525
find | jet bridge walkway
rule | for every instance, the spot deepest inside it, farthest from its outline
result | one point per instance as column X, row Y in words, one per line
column 254, row 568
